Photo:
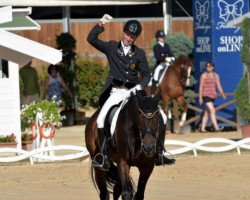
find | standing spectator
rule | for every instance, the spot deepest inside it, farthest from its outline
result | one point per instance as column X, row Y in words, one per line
column 126, row 60
column 53, row 83
column 30, row 91
column 161, row 48
column 209, row 81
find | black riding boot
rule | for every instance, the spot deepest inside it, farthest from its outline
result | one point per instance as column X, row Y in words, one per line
column 162, row 160
column 153, row 87
column 101, row 159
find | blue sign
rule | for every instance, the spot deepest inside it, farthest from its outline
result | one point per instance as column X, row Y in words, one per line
column 215, row 41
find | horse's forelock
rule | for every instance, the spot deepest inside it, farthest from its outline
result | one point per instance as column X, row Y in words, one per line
column 148, row 103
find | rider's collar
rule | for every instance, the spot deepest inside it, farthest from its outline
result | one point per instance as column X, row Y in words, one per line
column 120, row 45
column 125, row 47
column 161, row 43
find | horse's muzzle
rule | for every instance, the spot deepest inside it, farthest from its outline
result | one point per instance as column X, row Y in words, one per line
column 149, row 150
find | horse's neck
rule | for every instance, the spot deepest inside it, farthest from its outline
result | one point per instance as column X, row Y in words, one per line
column 177, row 68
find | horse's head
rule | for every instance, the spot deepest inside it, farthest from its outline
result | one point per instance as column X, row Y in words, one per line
column 148, row 121
column 185, row 64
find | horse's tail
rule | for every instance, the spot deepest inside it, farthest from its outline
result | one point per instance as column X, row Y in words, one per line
column 111, row 178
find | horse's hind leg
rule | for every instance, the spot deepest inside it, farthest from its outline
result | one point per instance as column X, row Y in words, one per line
column 145, row 172
column 100, row 180
column 165, row 100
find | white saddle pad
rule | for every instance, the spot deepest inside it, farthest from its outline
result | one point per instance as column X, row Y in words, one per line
column 114, row 120
column 150, row 83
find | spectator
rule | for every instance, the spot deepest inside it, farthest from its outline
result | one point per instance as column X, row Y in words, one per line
column 53, row 83
column 30, row 90
column 209, row 81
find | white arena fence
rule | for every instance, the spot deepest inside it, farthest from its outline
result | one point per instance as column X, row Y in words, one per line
column 202, row 145
column 47, row 154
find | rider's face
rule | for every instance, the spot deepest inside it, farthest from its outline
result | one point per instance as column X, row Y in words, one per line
column 161, row 39
column 128, row 38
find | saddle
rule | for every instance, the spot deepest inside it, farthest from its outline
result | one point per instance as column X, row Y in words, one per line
column 107, row 124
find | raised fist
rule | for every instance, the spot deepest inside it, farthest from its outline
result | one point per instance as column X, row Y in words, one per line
column 106, row 19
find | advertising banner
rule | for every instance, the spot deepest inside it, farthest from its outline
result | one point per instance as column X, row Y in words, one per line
column 215, row 41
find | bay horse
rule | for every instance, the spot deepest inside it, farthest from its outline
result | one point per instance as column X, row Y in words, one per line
column 173, row 84
column 133, row 143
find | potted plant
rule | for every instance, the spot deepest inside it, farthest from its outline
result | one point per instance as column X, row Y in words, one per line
column 27, row 140
column 242, row 92
column 8, row 141
column 49, row 111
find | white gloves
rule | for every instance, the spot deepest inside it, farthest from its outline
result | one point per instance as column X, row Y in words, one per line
column 106, row 19
column 134, row 89
column 169, row 59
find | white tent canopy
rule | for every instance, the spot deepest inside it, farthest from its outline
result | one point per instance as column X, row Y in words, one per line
column 73, row 2
column 14, row 19
column 20, row 50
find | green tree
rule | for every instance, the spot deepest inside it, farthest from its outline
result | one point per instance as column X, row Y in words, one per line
column 242, row 92
column 180, row 43
column 91, row 77
column 245, row 53
column 67, row 43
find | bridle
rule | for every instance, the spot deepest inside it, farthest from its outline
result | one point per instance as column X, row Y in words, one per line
column 147, row 129
column 186, row 79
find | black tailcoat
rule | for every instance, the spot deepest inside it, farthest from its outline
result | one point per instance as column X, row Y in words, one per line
column 161, row 50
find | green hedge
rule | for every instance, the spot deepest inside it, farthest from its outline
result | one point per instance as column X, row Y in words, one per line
column 90, row 78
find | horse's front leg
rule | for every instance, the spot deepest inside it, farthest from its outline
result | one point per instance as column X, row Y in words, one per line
column 127, row 186
column 145, row 172
column 181, row 101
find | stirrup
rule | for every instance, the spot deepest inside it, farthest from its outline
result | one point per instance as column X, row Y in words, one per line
column 101, row 161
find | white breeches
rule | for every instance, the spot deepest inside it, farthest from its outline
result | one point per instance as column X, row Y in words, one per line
column 157, row 71
column 116, row 96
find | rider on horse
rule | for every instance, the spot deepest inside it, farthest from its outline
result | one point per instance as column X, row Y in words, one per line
column 165, row 62
column 126, row 60
column 161, row 51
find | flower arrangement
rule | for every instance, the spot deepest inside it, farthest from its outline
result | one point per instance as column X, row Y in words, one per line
column 50, row 113
column 26, row 137
column 7, row 138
